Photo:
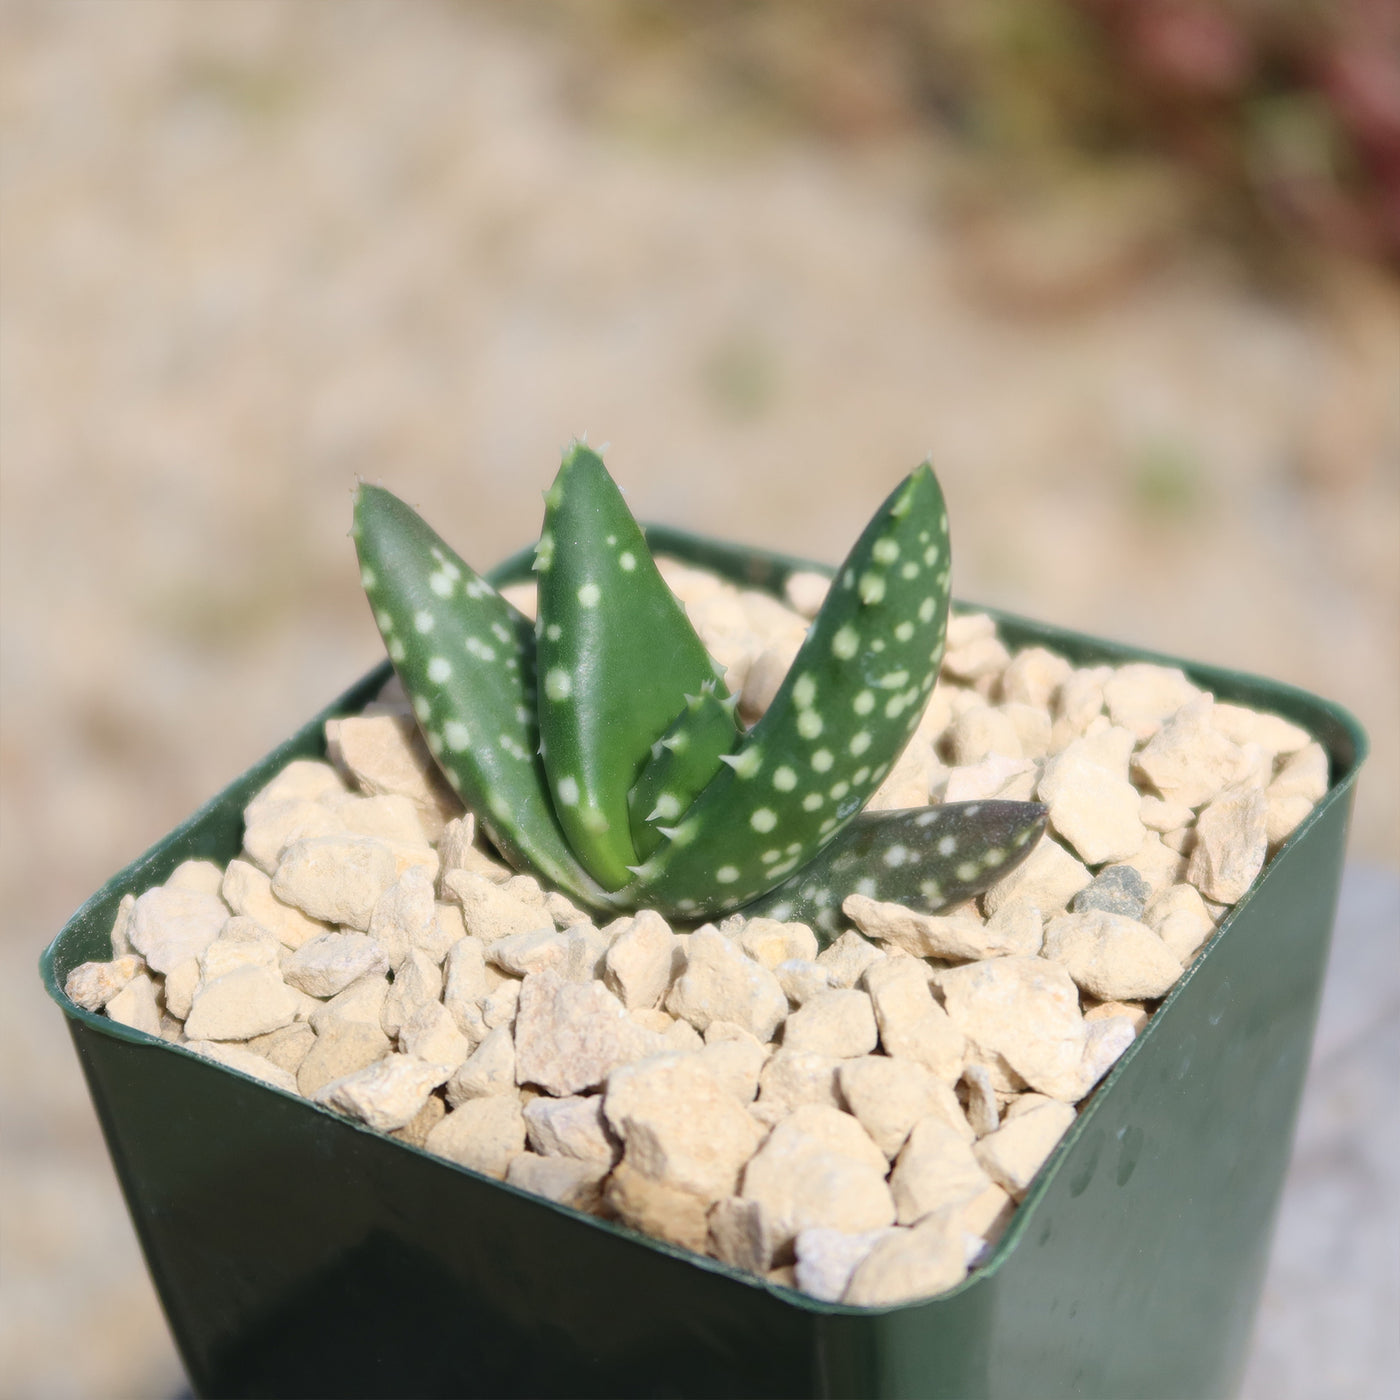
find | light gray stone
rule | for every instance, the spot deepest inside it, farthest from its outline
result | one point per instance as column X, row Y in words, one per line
column 827, row 1258
column 1161, row 816
column 565, row 913
column 996, row 776
column 181, row 983
column 1033, row 728
column 912, row 1025
column 771, row 941
column 431, row 1034
column 806, row 591
column 584, row 950
column 1159, row 864
column 958, row 937
column 120, row 935
column 983, row 1111
column 1231, row 844
column 1245, row 726
column 973, row 650
column 792, row 1078
column 287, row 1047
column 637, row 964
column 1078, row 704
column 393, row 820
column 330, row 962
column 519, row 954
column 248, row 891
column 405, row 916
column 909, row 782
column 735, row 1063
column 240, row 1058
column 483, row 1135
column 338, row 879
column 1141, row 697
column 802, row 979
column 270, row 828
column 499, row 1009
column 572, row 1127
column 888, row 1096
column 764, row 678
column 1189, row 761
column 1014, row 1153
column 1179, row 918
column 1305, row 774
column 721, row 984
column 363, row 1000
column 679, row 1126
column 1134, row 1012
column 387, row 1094
column 1093, row 804
column 1034, row 676
column 908, row 1264
column 741, row 1234
column 417, row 983
column 837, row 1023
column 244, row 1002
column 569, row 1035
column 340, row 1049
column 201, row 875
column 1025, row 1010
column 847, row 958
column 385, row 755
column 1105, row 1040
column 564, row 1180
column 936, row 1168
column 93, row 984
column 242, row 943
column 303, row 779
column 491, row 912
column 169, row 926
column 1119, row 889
column 488, row 1070
column 416, row 1130
column 977, row 733
column 1048, row 879
column 135, row 1005
column 819, row 1167
column 467, row 983
column 657, row 1209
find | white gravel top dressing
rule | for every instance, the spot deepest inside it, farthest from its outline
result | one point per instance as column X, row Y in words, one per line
column 858, row 1122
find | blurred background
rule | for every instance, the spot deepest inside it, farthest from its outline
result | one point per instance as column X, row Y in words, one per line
column 1126, row 270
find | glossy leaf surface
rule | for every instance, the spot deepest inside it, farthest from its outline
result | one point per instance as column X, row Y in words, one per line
column 682, row 762
column 842, row 716
column 922, row 857
column 617, row 656
column 466, row 659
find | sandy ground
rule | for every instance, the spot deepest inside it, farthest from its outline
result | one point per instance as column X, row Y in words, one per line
column 251, row 251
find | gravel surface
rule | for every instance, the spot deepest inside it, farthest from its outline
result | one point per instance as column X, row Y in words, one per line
column 251, row 250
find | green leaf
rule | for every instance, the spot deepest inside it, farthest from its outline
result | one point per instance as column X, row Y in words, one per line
column 617, row 656
column 923, row 858
column 466, row 660
column 843, row 715
column 682, row 761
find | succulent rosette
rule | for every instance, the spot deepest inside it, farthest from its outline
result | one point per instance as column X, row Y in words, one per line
column 601, row 752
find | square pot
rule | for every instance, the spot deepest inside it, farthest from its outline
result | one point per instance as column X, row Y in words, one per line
column 298, row 1253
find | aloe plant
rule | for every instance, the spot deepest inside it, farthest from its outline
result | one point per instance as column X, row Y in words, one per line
column 600, row 750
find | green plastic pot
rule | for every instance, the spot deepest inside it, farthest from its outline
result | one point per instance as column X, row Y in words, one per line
column 299, row 1254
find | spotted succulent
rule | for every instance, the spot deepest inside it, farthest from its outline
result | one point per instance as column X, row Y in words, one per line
column 600, row 750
